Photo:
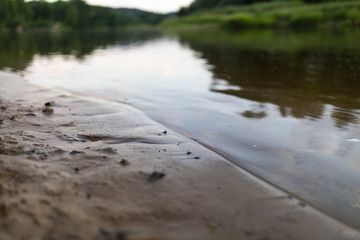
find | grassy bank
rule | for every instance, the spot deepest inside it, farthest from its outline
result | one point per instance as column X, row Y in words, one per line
column 294, row 14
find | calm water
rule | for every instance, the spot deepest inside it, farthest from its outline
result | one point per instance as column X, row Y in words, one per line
column 282, row 105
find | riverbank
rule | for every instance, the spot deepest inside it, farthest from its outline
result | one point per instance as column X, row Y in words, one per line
column 85, row 168
column 278, row 14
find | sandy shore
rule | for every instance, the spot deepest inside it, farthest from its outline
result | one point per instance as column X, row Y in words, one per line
column 89, row 168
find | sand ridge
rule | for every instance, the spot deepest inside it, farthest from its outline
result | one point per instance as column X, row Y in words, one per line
column 86, row 168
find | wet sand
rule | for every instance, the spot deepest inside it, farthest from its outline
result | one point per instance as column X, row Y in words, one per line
column 86, row 168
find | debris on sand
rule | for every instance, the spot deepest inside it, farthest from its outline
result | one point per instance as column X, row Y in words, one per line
column 164, row 132
column 1, row 120
column 50, row 104
column 48, row 110
column 124, row 162
column 156, row 176
column 30, row 152
column 118, row 235
column 14, row 117
column 76, row 152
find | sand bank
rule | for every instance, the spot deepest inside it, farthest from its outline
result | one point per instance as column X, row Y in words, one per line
column 86, row 168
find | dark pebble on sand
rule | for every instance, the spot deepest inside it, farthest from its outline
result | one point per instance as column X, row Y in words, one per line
column 156, row 176
column 30, row 152
column 196, row 157
column 50, row 104
column 124, row 162
column 120, row 235
column 76, row 169
column 164, row 132
column 76, row 152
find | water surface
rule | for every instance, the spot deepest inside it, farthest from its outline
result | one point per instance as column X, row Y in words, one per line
column 285, row 106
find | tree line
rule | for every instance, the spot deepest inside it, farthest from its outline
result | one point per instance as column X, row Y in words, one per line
column 76, row 14
column 199, row 5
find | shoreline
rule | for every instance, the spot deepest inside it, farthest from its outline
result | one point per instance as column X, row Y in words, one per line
column 94, row 169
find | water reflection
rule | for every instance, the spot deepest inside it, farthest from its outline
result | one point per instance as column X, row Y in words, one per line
column 17, row 51
column 300, row 73
column 300, row 77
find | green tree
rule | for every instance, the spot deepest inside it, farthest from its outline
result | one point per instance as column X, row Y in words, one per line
column 41, row 13
column 75, row 14
column 59, row 9
column 13, row 13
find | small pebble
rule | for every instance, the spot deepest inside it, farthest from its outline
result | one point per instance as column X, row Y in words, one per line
column 196, row 157
column 164, row 132
column 156, row 176
column 50, row 104
column 30, row 152
column 124, row 162
column 76, row 152
column 120, row 235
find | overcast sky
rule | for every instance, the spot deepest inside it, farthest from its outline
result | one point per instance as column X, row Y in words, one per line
column 150, row 5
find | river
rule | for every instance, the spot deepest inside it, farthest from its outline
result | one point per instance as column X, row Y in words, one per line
column 283, row 105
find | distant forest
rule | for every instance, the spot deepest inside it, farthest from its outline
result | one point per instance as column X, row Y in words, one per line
column 199, row 5
column 74, row 14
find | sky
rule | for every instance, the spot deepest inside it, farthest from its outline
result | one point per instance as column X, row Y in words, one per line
column 163, row 6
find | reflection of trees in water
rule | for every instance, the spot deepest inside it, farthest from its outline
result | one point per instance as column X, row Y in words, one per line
column 18, row 50
column 300, row 83
column 344, row 117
